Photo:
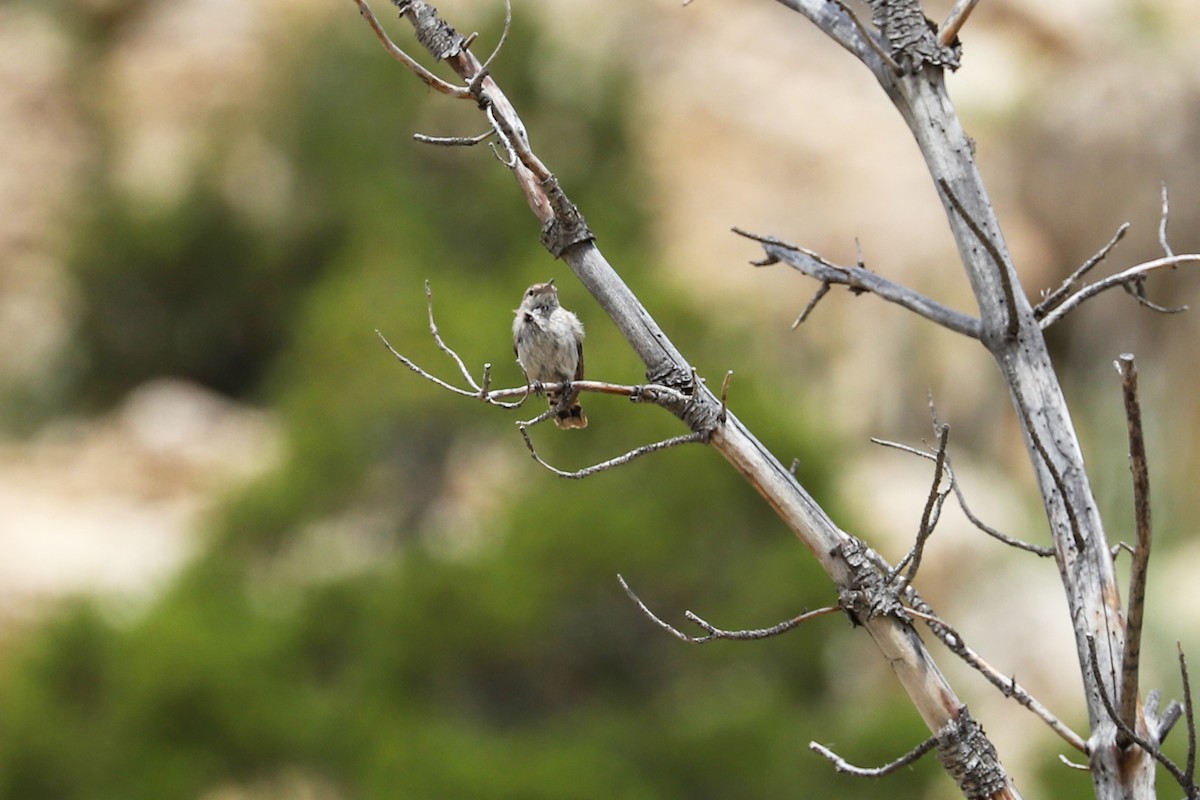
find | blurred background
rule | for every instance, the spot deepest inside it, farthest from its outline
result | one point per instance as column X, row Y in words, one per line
column 246, row 554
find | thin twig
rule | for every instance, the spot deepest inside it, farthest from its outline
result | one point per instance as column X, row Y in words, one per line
column 1184, row 780
column 822, row 290
column 725, row 395
column 860, row 279
column 473, row 86
column 713, row 632
column 954, row 21
column 1128, row 276
column 842, row 765
column 1044, row 552
column 1131, row 658
column 1058, row 295
column 1069, row 763
column 1007, row 684
column 404, row 58
column 929, row 516
column 1189, row 714
column 620, row 460
column 1162, row 223
column 1010, row 300
column 453, row 141
column 437, row 338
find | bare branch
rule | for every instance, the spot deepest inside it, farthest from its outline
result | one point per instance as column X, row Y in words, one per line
column 1007, row 685
column 1058, row 295
column 1141, row 555
column 712, row 632
column 955, row 20
column 1126, row 277
column 404, row 58
column 842, row 765
column 620, row 460
column 860, row 279
column 1006, row 284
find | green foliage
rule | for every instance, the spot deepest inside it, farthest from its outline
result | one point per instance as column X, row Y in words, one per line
column 509, row 667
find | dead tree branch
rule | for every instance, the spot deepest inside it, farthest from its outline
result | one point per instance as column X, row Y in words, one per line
column 858, row 280
column 712, row 632
column 621, row 460
column 1131, row 277
column 842, row 765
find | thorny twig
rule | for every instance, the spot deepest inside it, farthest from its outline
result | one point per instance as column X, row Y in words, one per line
column 712, row 631
column 842, row 765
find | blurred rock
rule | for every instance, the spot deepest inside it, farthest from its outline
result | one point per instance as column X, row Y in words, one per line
column 112, row 505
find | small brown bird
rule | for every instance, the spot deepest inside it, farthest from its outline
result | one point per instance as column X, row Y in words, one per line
column 548, row 341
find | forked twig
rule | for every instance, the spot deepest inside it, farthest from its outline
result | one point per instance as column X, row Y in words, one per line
column 929, row 516
column 1058, row 295
column 473, row 86
column 712, row 632
column 637, row 452
column 1127, row 277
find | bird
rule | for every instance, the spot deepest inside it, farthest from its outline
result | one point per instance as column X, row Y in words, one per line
column 548, row 342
